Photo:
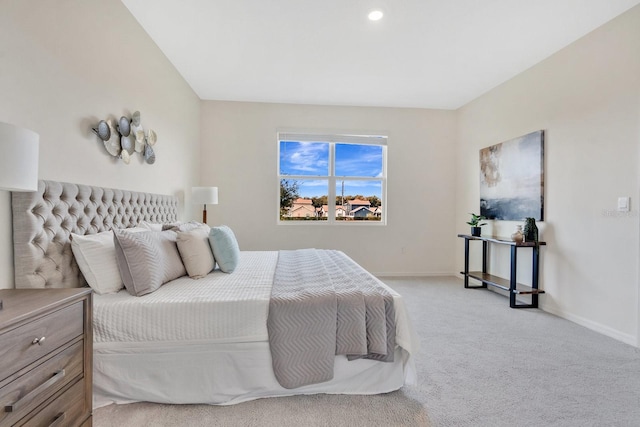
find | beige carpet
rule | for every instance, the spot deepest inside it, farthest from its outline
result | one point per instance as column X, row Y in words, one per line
column 481, row 364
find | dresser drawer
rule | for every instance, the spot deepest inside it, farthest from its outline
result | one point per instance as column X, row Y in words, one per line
column 21, row 396
column 67, row 410
column 25, row 344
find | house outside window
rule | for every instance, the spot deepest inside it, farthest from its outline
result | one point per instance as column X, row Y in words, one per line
column 332, row 179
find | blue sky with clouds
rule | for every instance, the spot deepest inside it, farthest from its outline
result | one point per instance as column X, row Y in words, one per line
column 352, row 160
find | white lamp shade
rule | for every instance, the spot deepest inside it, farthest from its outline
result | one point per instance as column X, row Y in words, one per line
column 204, row 195
column 19, row 159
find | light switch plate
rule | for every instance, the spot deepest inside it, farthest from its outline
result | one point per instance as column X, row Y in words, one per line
column 623, row 204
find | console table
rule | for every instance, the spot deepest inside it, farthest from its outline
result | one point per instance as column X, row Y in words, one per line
column 510, row 285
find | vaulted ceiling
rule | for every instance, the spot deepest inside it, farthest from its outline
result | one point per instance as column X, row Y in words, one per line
column 422, row 53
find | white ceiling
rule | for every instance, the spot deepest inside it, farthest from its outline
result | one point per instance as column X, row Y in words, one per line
column 423, row 53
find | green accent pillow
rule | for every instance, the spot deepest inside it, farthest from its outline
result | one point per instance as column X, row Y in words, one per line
column 225, row 248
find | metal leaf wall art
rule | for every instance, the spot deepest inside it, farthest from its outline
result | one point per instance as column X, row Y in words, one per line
column 126, row 137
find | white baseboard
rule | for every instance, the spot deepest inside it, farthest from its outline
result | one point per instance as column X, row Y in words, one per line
column 594, row 326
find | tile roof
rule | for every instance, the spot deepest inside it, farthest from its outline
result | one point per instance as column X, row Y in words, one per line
column 301, row 201
column 359, row 202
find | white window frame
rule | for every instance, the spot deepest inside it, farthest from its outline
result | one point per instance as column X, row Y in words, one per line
column 332, row 140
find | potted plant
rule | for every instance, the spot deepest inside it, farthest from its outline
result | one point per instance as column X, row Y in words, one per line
column 475, row 224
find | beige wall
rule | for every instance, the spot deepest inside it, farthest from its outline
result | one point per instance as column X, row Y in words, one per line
column 66, row 64
column 587, row 99
column 239, row 155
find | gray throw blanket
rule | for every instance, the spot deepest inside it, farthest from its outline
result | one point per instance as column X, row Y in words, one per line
column 324, row 304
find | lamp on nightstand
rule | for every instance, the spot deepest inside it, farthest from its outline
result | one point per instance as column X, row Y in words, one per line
column 18, row 159
column 204, row 196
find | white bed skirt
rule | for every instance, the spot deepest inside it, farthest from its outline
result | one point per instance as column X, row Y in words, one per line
column 224, row 374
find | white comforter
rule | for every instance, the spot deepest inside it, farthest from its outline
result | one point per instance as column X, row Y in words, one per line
column 219, row 308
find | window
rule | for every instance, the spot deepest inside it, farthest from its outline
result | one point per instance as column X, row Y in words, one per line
column 332, row 178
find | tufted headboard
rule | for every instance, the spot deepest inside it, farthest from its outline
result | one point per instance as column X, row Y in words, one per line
column 44, row 220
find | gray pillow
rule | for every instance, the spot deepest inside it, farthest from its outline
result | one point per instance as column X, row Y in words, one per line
column 147, row 259
column 225, row 248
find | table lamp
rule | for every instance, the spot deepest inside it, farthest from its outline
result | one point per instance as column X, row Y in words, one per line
column 204, row 196
column 19, row 160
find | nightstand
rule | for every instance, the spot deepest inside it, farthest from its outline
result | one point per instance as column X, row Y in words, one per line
column 46, row 353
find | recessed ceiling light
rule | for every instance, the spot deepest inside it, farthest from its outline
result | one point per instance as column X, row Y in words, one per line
column 375, row 15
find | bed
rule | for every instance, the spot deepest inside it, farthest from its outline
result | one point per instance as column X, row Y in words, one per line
column 196, row 341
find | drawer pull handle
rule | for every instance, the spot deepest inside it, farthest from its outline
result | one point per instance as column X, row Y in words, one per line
column 27, row 398
column 38, row 341
column 58, row 420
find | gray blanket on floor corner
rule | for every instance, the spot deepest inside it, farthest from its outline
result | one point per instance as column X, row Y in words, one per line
column 323, row 304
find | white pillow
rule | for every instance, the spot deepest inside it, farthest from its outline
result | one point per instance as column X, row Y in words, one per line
column 96, row 257
column 195, row 252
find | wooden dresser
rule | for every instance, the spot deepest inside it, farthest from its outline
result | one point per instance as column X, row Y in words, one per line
column 46, row 349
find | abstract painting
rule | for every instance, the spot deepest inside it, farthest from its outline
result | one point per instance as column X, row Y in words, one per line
column 512, row 179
